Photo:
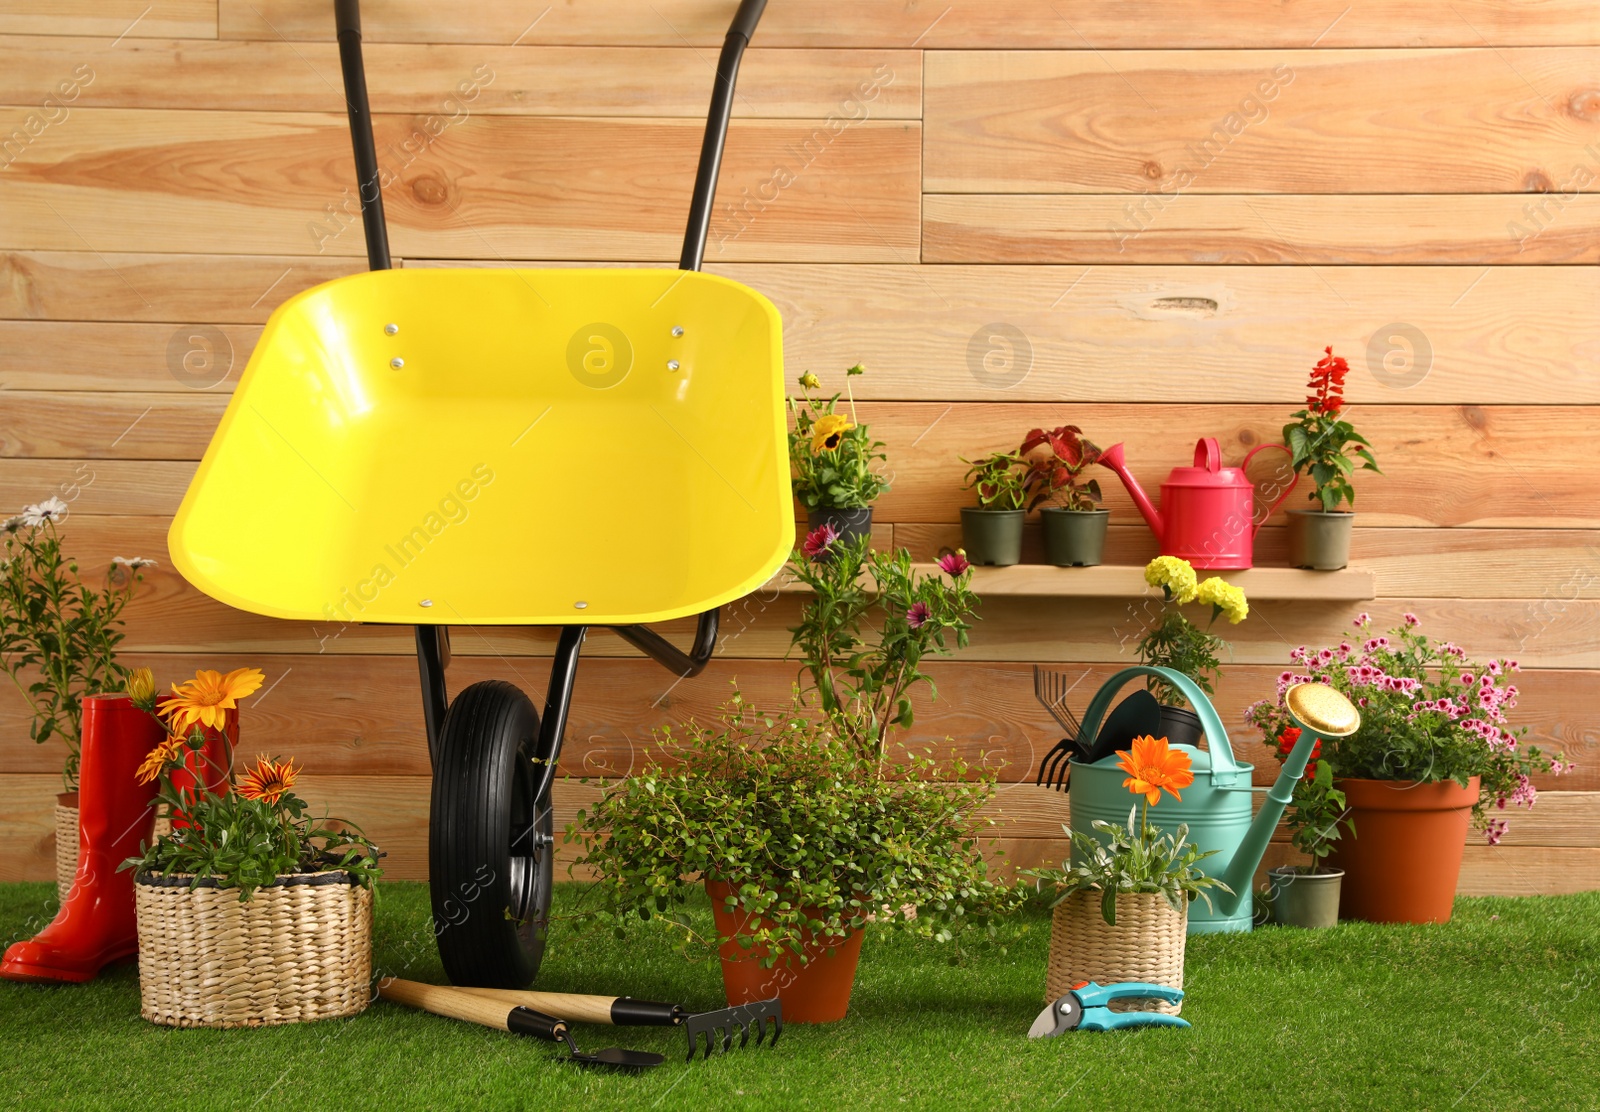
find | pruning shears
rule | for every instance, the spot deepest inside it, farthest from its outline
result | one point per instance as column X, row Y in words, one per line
column 1084, row 1008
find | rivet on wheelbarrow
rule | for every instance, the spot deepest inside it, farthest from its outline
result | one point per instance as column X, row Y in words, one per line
column 397, row 362
column 426, row 602
column 677, row 330
column 390, row 329
column 580, row 606
column 672, row 364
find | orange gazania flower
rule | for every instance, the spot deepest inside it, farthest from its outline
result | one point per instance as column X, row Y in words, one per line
column 159, row 758
column 208, row 697
column 1151, row 766
column 268, row 780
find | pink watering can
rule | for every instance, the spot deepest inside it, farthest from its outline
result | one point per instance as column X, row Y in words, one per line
column 1207, row 513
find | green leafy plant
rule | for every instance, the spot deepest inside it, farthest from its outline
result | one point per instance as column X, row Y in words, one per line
column 1177, row 643
column 814, row 840
column 1055, row 477
column 999, row 480
column 1321, row 443
column 1317, row 806
column 240, row 837
column 1135, row 858
column 869, row 623
column 832, row 454
column 1428, row 714
column 58, row 635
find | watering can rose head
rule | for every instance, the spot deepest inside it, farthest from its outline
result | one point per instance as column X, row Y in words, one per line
column 1152, row 765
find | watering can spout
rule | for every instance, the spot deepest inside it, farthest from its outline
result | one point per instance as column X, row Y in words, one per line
column 1320, row 712
column 1112, row 458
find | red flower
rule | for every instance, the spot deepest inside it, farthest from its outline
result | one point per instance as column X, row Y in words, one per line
column 819, row 540
column 1287, row 739
column 1327, row 384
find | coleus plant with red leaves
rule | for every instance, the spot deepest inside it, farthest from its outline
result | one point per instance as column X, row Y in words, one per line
column 1322, row 443
column 1057, row 478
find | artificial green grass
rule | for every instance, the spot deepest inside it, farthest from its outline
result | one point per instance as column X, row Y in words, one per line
column 1498, row 1009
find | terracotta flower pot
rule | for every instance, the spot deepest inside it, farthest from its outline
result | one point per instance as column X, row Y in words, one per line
column 1404, row 861
column 816, row 992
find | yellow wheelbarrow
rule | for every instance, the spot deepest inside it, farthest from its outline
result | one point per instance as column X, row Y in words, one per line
column 564, row 447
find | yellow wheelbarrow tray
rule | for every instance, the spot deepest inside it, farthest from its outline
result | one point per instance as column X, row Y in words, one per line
column 495, row 446
column 499, row 447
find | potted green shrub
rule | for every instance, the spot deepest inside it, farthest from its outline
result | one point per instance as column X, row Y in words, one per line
column 1070, row 517
column 1177, row 643
column 1324, row 446
column 1435, row 752
column 1308, row 895
column 58, row 640
column 805, row 826
column 833, row 457
column 992, row 530
column 1121, row 906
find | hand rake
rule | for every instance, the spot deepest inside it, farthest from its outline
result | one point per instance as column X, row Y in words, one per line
column 1051, row 689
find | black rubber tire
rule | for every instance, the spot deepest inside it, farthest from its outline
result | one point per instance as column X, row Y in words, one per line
column 490, row 849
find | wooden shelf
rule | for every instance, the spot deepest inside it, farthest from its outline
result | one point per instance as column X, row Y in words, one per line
column 1116, row 581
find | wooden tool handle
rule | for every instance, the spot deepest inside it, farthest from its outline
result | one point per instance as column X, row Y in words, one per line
column 446, row 1001
column 570, row 1006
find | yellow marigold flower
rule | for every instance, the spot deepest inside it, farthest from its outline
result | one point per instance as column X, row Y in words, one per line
column 809, row 381
column 828, row 432
column 208, row 697
column 1173, row 575
column 159, row 758
column 142, row 688
column 268, row 780
column 1225, row 598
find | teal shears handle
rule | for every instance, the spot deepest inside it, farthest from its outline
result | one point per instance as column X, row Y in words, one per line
column 1098, row 1017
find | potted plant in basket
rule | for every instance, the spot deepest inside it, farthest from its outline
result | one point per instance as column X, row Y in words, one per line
column 1177, row 643
column 833, row 458
column 1308, row 895
column 58, row 640
column 1070, row 517
column 805, row 826
column 250, row 911
column 1121, row 910
column 1435, row 751
column 992, row 530
column 1323, row 445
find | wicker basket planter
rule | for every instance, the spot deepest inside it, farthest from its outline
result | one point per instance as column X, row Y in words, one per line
column 299, row 949
column 66, row 842
column 1145, row 945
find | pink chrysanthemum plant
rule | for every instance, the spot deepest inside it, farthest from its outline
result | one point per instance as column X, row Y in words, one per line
column 1428, row 714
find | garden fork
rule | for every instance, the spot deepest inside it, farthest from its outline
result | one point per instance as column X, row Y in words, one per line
column 1052, row 689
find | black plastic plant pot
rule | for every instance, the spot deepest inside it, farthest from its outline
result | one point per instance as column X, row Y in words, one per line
column 851, row 525
column 1073, row 538
column 1181, row 726
column 1320, row 540
column 992, row 537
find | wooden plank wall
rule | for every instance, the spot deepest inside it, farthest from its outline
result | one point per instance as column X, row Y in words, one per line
column 1147, row 220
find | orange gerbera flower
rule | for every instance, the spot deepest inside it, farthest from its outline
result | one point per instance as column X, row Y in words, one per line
column 268, row 780
column 159, row 758
column 1151, row 766
column 208, row 697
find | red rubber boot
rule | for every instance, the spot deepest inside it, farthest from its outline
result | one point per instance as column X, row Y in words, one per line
column 95, row 925
column 209, row 768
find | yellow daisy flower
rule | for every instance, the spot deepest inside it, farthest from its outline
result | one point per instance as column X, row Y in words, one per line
column 208, row 697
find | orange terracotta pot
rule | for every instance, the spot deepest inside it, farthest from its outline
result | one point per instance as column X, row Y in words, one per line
column 1404, row 862
column 816, row 992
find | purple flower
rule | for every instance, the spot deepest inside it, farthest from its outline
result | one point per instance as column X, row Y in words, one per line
column 917, row 616
column 953, row 563
column 1361, row 620
column 1411, row 619
column 1496, row 831
column 819, row 540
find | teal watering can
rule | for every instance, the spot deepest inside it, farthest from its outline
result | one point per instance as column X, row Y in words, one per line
column 1217, row 805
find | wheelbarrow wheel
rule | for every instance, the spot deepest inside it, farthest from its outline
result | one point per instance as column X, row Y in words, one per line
column 490, row 843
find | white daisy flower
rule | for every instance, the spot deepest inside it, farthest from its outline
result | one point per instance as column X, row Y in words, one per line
column 133, row 563
column 51, row 509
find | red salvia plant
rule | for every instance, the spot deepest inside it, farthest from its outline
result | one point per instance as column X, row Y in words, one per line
column 1324, row 445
